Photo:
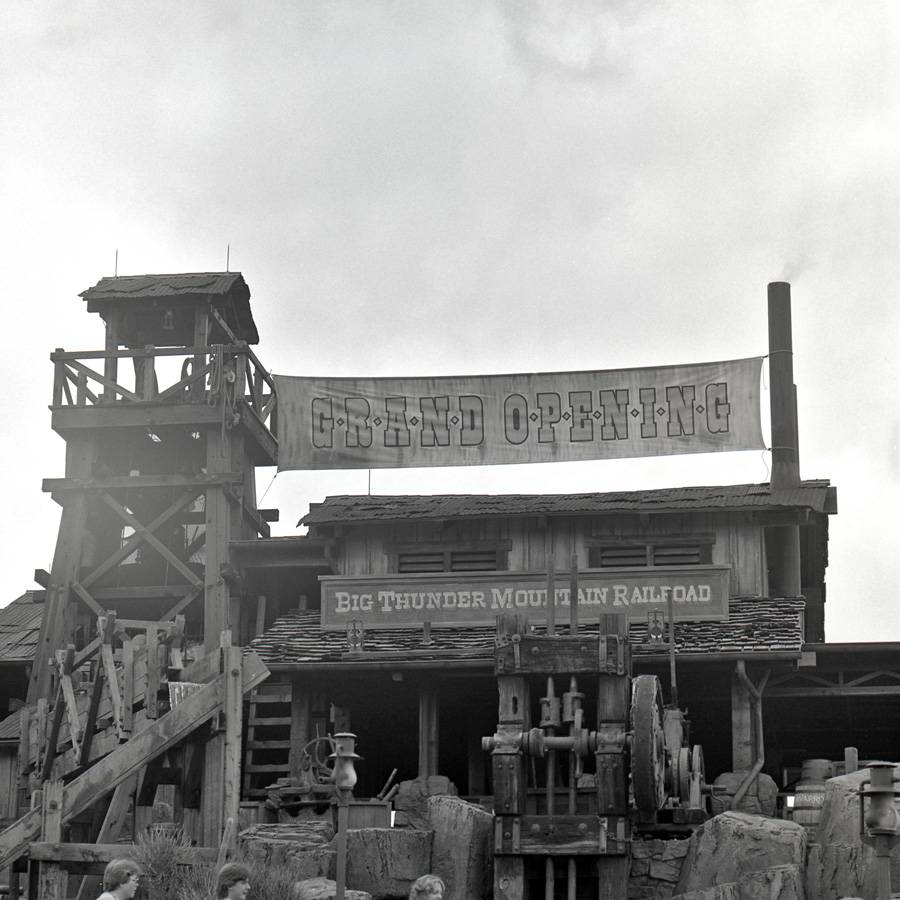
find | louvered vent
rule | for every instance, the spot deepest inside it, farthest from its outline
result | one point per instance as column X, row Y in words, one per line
column 473, row 560
column 619, row 556
column 614, row 556
column 420, row 561
column 675, row 555
column 412, row 562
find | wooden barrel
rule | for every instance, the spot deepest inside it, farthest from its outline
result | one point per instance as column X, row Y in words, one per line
column 816, row 770
column 809, row 795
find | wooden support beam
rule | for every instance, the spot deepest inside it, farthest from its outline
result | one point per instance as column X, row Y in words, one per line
column 48, row 748
column 742, row 753
column 147, row 535
column 233, row 709
column 137, row 482
column 87, row 599
column 72, row 854
column 67, row 559
column 132, row 544
column 300, row 722
column 128, row 686
column 52, row 877
column 428, row 731
column 112, row 682
column 68, row 699
column 110, row 828
column 151, row 698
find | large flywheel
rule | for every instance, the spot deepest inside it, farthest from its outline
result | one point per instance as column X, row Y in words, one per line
column 648, row 744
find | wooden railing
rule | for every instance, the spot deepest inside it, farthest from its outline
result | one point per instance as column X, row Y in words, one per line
column 220, row 373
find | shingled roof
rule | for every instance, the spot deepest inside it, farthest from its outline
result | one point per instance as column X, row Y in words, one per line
column 20, row 623
column 754, row 626
column 816, row 495
column 226, row 287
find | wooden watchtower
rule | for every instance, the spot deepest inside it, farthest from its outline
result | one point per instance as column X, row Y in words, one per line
column 164, row 427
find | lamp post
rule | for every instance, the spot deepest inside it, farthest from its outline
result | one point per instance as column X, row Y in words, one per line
column 879, row 824
column 344, row 778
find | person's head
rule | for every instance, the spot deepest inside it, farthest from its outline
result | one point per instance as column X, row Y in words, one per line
column 428, row 887
column 122, row 875
column 233, row 882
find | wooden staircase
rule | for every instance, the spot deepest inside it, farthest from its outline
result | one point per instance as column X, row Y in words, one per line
column 100, row 739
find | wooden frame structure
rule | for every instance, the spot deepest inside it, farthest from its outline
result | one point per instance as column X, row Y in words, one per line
column 137, row 682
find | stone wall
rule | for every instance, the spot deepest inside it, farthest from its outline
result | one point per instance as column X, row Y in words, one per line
column 655, row 868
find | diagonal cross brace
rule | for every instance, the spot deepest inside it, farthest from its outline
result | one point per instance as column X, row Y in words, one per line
column 137, row 539
column 163, row 733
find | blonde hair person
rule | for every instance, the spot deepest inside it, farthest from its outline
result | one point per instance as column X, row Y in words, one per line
column 427, row 887
column 120, row 880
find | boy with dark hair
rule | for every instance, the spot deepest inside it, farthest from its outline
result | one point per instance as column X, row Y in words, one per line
column 233, row 882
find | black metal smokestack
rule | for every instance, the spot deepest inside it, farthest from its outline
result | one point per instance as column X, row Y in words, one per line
column 782, row 403
column 783, row 542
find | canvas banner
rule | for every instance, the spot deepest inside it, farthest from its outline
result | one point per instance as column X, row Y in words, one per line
column 373, row 423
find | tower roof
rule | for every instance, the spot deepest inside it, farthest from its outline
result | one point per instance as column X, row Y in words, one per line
column 227, row 292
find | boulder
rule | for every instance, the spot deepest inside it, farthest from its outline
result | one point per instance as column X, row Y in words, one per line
column 840, row 864
column 386, row 861
column 303, row 846
column 760, row 799
column 462, row 852
column 730, row 846
column 411, row 800
column 323, row 889
column 774, row 883
column 719, row 892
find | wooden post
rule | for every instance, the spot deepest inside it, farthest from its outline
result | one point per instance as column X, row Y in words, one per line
column 151, row 698
column 52, row 877
column 613, row 708
column 300, row 720
column 475, row 759
column 428, row 731
column 573, row 596
column 201, row 337
column 742, row 755
column 233, row 707
column 260, row 615
column 784, row 551
column 110, row 361
column 218, row 534
column 509, row 784
column 109, row 831
column 212, row 795
column 551, row 577
column 66, row 560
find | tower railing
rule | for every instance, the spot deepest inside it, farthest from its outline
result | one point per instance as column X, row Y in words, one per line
column 218, row 373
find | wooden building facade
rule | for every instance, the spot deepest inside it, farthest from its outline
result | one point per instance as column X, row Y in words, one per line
column 396, row 671
column 168, row 602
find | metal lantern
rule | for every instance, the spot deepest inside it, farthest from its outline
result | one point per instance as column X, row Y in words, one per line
column 344, row 776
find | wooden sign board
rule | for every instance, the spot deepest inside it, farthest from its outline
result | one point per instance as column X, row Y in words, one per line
column 442, row 598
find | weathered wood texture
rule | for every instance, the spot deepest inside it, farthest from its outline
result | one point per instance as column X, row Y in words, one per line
column 736, row 542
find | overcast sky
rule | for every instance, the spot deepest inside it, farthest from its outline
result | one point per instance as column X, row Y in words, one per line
column 432, row 188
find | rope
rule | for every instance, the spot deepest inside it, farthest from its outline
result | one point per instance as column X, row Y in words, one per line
column 266, row 491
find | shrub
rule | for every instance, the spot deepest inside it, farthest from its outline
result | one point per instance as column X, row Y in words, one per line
column 156, row 851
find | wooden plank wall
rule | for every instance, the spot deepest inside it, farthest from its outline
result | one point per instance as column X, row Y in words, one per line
column 738, row 541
